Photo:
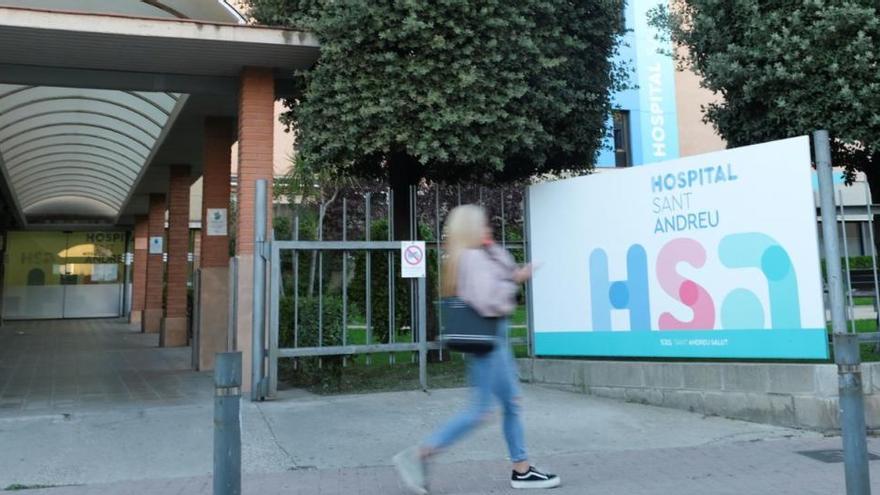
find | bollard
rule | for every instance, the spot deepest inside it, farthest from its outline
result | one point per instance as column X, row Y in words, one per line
column 227, row 423
column 852, row 413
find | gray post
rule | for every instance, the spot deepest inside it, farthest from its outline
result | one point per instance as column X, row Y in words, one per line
column 368, row 273
column 232, row 327
column 196, row 316
column 258, row 320
column 227, row 423
column 275, row 292
column 344, row 277
column 850, row 309
column 438, row 237
column 423, row 333
column 846, row 346
column 530, row 317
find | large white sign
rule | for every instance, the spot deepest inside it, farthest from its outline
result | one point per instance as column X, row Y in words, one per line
column 707, row 256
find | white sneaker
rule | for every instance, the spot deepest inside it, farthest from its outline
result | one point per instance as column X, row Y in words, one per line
column 534, row 479
column 411, row 468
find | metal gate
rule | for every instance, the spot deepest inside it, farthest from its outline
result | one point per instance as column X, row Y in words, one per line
column 296, row 326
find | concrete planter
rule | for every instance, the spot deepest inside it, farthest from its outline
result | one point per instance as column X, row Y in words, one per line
column 795, row 395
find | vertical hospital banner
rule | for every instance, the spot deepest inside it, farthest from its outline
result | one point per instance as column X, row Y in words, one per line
column 713, row 255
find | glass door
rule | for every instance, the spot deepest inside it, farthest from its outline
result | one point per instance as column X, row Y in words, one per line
column 63, row 275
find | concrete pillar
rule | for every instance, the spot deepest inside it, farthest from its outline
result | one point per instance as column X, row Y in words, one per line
column 139, row 270
column 256, row 122
column 153, row 312
column 174, row 325
column 214, row 244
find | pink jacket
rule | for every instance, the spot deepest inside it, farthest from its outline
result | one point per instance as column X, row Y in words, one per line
column 485, row 281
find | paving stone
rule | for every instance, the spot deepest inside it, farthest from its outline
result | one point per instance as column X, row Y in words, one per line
column 82, row 364
column 729, row 469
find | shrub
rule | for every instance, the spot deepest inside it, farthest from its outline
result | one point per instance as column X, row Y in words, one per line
column 309, row 372
column 379, row 284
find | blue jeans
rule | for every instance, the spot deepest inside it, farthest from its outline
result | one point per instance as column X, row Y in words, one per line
column 493, row 374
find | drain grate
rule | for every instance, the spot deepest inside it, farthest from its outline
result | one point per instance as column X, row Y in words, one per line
column 831, row 456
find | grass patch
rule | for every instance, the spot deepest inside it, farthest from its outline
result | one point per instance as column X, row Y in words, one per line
column 868, row 351
column 384, row 371
column 519, row 316
column 863, row 301
column 380, row 376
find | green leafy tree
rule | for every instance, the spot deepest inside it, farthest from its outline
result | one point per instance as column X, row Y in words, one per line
column 785, row 68
column 451, row 89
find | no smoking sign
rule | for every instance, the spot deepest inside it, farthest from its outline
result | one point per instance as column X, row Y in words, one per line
column 412, row 259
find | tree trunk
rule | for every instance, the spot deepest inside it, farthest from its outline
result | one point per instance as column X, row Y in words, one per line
column 405, row 171
column 322, row 213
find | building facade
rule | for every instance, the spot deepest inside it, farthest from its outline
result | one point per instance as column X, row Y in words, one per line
column 660, row 117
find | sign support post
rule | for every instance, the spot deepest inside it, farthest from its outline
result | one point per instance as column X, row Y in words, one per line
column 413, row 257
column 846, row 345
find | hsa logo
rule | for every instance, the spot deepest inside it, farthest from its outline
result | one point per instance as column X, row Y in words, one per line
column 740, row 309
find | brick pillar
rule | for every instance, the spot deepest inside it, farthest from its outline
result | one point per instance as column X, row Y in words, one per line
column 256, row 122
column 214, row 246
column 139, row 270
column 153, row 312
column 174, row 325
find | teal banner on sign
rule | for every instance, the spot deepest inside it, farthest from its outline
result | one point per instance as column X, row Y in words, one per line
column 778, row 344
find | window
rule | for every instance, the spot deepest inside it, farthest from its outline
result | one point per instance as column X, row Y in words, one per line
column 622, row 154
column 857, row 240
column 621, row 16
column 854, row 239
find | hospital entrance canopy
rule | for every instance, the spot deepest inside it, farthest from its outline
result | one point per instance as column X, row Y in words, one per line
column 99, row 97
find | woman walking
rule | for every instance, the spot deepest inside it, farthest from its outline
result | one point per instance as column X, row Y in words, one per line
column 485, row 277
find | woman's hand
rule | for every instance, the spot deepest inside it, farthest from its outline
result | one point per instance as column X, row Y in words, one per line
column 525, row 272
column 522, row 274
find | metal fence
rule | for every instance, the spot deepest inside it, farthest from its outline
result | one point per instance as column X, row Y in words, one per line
column 335, row 294
column 854, row 210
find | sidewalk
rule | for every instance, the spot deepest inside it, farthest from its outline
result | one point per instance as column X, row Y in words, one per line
column 307, row 432
column 739, row 468
column 341, row 445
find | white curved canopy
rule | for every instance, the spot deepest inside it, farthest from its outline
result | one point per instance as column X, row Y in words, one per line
column 199, row 10
column 72, row 156
column 78, row 151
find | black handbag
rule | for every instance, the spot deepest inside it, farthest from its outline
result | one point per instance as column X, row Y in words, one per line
column 462, row 329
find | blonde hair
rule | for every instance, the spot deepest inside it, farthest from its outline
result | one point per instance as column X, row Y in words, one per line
column 465, row 228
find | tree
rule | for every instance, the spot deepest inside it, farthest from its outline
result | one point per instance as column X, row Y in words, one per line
column 451, row 89
column 785, row 68
column 303, row 188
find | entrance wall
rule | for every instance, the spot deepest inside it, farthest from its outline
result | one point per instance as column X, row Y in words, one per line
column 793, row 395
